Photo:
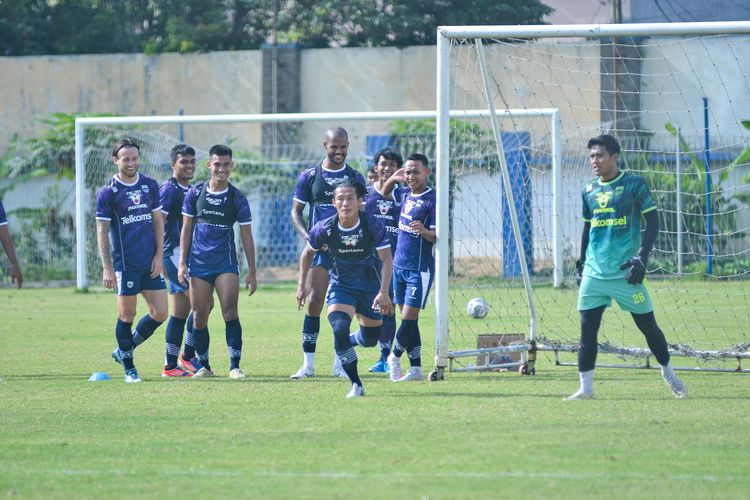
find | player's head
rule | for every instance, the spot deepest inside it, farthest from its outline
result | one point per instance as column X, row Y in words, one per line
column 336, row 144
column 416, row 170
column 387, row 161
column 604, row 151
column 371, row 175
column 220, row 162
column 347, row 198
column 125, row 156
column 183, row 162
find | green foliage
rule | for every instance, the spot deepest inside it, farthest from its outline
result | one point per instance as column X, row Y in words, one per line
column 29, row 27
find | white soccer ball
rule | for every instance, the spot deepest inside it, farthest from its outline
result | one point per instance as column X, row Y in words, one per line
column 477, row 308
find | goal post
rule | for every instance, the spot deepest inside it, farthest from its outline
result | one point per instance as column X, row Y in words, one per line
column 650, row 85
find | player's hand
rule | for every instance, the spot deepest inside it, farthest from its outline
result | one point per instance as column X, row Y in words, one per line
column 417, row 226
column 399, row 174
column 157, row 266
column 301, row 295
column 251, row 283
column 637, row 271
column 108, row 277
column 182, row 274
column 579, row 271
column 16, row 276
column 383, row 304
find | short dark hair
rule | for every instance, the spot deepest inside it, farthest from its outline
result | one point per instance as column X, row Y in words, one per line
column 607, row 142
column 389, row 155
column 220, row 150
column 358, row 187
column 419, row 157
column 181, row 149
column 125, row 142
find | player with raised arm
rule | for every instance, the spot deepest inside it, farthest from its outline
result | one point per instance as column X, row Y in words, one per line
column 315, row 188
column 613, row 260
column 386, row 209
column 413, row 262
column 208, row 256
column 130, row 236
column 6, row 240
column 359, row 281
column 172, row 194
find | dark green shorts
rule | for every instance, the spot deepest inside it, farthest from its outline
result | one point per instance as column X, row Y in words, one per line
column 595, row 292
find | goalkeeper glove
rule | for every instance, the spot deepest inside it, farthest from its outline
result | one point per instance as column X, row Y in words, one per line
column 579, row 271
column 636, row 269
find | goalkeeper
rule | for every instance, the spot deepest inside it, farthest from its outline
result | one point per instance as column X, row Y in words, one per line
column 613, row 260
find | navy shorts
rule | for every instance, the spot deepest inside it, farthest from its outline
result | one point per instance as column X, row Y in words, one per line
column 210, row 274
column 411, row 287
column 134, row 282
column 361, row 300
column 322, row 259
column 170, row 268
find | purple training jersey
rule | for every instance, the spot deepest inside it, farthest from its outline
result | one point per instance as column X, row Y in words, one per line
column 353, row 251
column 319, row 195
column 213, row 244
column 386, row 210
column 172, row 195
column 413, row 252
column 130, row 208
column 3, row 218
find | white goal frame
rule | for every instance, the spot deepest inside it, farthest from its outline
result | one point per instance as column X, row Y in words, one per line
column 442, row 251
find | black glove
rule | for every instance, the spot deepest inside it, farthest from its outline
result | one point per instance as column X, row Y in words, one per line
column 579, row 271
column 637, row 270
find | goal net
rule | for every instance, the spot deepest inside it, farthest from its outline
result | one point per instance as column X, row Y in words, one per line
column 676, row 96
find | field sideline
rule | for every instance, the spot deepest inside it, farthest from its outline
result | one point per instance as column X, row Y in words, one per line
column 484, row 435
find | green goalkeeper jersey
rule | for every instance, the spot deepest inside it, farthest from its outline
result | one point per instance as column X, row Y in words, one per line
column 614, row 209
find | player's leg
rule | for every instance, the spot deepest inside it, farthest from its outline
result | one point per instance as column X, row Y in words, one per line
column 385, row 341
column 174, row 334
column 340, row 317
column 201, row 292
column 416, row 286
column 317, row 284
column 228, row 289
column 126, row 305
column 154, row 292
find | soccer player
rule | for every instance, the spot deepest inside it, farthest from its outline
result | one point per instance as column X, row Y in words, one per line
column 171, row 195
column 387, row 211
column 208, row 256
column 372, row 175
column 413, row 262
column 358, row 281
column 613, row 260
column 315, row 187
column 7, row 241
column 130, row 239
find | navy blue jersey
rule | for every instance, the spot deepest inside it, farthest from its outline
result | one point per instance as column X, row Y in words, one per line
column 352, row 251
column 413, row 252
column 129, row 209
column 172, row 195
column 213, row 244
column 315, row 187
column 386, row 210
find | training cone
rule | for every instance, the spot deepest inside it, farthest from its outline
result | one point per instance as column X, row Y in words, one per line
column 99, row 376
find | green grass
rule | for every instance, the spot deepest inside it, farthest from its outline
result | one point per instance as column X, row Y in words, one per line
column 488, row 435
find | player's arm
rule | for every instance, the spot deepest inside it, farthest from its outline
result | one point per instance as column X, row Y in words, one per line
column 582, row 255
column 15, row 270
column 383, row 299
column 305, row 259
column 298, row 220
column 157, row 225
column 636, row 265
column 186, row 242
column 102, row 239
column 390, row 184
column 248, row 244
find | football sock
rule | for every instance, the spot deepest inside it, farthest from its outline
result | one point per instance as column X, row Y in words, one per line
column 385, row 350
column 387, row 334
column 591, row 319
column 340, row 323
column 357, row 337
column 587, row 381
column 415, row 355
column 202, row 341
column 188, row 352
column 125, row 342
column 144, row 329
column 667, row 372
column 654, row 336
column 404, row 336
column 308, row 360
column 398, row 349
column 234, row 342
column 349, row 364
column 370, row 335
column 173, row 336
column 310, row 331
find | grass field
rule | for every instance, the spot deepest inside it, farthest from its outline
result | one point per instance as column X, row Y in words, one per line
column 488, row 435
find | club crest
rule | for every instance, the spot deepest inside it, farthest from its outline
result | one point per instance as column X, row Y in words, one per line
column 384, row 206
column 602, row 198
column 135, row 197
column 350, row 240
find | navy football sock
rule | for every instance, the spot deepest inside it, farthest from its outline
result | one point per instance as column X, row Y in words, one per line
column 145, row 328
column 125, row 342
column 202, row 341
column 234, row 342
column 173, row 337
column 404, row 336
column 188, row 352
column 310, row 331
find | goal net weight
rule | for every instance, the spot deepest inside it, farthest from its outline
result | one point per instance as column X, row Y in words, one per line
column 676, row 96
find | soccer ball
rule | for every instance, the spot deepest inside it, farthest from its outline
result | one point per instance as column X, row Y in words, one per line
column 477, row 308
